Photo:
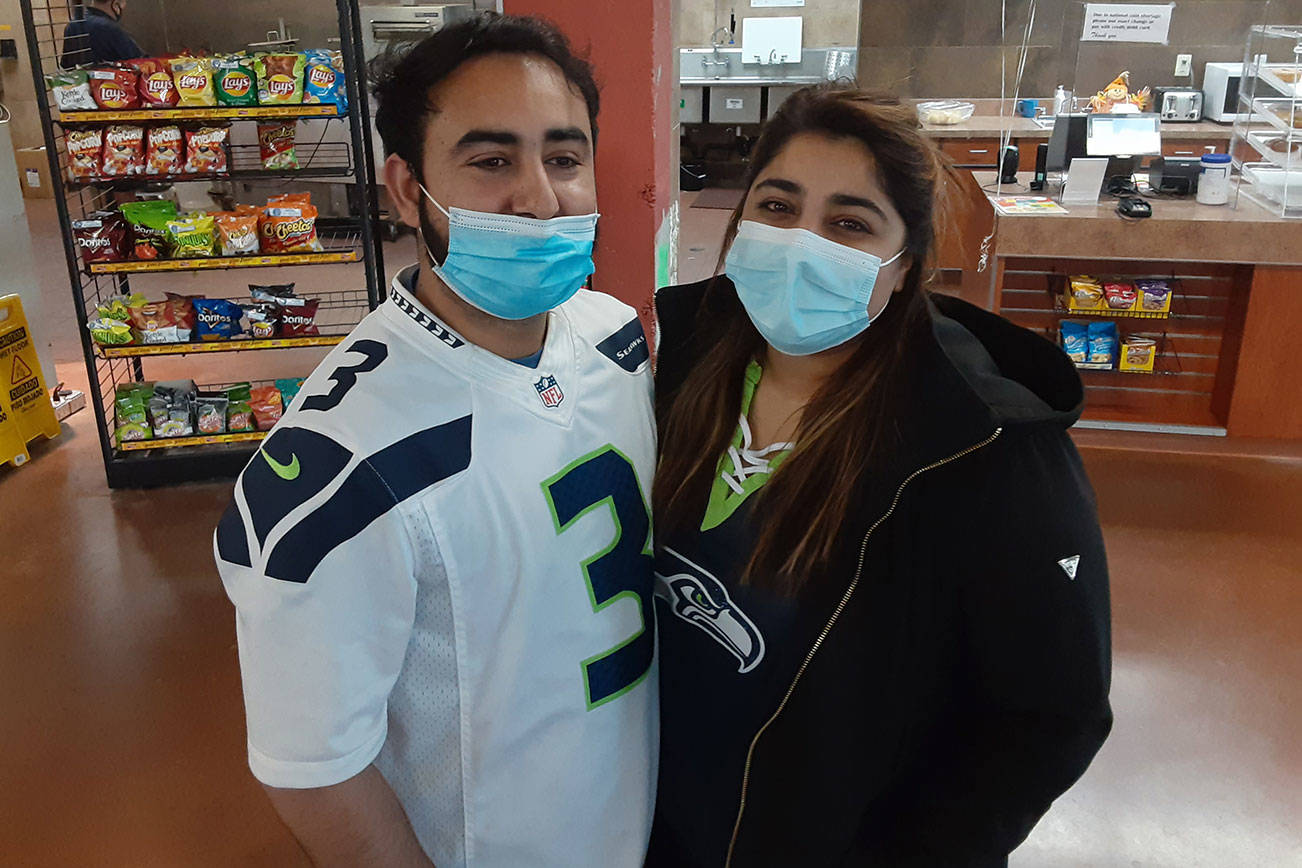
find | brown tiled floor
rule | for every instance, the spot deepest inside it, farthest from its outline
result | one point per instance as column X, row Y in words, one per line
column 123, row 723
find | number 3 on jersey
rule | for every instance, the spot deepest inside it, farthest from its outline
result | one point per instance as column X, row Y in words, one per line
column 621, row 570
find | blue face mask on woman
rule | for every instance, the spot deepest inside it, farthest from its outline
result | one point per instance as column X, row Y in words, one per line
column 804, row 294
column 514, row 267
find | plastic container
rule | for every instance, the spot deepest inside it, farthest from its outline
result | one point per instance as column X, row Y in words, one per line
column 1214, row 180
column 946, row 112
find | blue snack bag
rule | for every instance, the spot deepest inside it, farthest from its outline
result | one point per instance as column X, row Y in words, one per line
column 1103, row 343
column 323, row 80
column 217, row 319
column 1074, row 340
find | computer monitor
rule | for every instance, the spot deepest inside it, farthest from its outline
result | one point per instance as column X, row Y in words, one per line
column 1066, row 142
column 1123, row 135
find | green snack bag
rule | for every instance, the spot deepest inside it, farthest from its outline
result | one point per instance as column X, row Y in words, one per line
column 192, row 236
column 280, row 78
column 110, row 332
column 149, row 221
column 235, row 80
column 133, row 419
column 239, row 411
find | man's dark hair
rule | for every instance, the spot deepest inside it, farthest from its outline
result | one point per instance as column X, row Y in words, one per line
column 403, row 80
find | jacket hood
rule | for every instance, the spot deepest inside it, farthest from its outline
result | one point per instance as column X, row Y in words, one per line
column 1018, row 376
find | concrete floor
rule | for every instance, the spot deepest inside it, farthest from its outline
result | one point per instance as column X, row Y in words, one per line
column 124, row 724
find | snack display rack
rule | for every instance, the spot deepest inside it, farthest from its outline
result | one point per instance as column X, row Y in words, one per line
column 1267, row 140
column 347, row 241
column 1186, row 383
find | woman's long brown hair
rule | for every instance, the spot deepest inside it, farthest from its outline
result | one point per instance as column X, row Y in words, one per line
column 850, row 422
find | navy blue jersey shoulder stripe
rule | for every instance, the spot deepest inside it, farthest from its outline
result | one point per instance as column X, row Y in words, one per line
column 374, row 487
column 424, row 320
column 232, row 541
column 627, row 347
column 293, row 466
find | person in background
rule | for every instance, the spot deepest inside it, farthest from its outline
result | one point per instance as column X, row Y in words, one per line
column 98, row 36
column 881, row 584
column 440, row 558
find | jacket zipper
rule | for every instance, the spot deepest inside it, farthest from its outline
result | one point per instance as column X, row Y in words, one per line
column 831, row 622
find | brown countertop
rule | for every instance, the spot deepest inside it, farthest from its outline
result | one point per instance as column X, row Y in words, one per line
column 991, row 126
column 1180, row 230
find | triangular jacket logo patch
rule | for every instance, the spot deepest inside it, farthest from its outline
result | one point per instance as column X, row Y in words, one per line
column 1069, row 565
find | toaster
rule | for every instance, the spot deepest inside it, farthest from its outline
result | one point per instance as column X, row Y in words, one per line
column 1179, row 103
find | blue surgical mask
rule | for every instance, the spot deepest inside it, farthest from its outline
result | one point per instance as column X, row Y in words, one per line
column 514, row 267
column 804, row 294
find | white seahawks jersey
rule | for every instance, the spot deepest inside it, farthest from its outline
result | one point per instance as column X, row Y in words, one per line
column 440, row 563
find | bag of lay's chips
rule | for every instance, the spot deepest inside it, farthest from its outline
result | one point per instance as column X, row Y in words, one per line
column 235, row 81
column 193, row 78
column 156, row 87
column 280, row 78
column 192, row 236
column 322, row 82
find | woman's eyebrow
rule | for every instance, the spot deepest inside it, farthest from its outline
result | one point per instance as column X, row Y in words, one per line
column 782, row 184
column 858, row 202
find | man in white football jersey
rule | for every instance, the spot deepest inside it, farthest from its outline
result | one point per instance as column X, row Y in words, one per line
column 440, row 557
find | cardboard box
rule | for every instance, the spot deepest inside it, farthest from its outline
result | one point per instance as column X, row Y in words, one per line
column 34, row 173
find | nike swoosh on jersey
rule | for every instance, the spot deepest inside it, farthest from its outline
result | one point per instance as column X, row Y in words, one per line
column 288, row 472
column 373, row 487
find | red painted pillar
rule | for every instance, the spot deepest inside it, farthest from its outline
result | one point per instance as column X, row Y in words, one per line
column 631, row 45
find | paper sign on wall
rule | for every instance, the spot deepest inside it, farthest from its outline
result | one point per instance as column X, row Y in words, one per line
column 1127, row 22
column 733, row 104
column 755, row 4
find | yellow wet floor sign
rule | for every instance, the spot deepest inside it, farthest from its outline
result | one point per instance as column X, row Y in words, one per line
column 25, row 408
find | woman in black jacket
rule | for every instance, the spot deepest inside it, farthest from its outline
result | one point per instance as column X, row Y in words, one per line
column 881, row 584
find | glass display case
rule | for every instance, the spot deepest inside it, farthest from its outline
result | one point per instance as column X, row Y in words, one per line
column 1267, row 142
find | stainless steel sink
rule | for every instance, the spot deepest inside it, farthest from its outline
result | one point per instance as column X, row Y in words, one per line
column 706, row 66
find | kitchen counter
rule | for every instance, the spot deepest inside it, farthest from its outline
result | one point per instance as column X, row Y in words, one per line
column 1180, row 230
column 991, row 126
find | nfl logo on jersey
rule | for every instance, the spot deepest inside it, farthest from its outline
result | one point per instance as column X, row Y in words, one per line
column 550, row 392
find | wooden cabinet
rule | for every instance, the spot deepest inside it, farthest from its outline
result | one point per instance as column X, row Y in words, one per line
column 972, row 153
column 1193, row 147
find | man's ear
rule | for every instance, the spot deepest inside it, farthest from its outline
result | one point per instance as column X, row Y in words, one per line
column 404, row 189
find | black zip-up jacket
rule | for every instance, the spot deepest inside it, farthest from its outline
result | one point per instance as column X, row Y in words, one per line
column 962, row 684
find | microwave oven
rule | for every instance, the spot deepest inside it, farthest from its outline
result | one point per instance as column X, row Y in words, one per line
column 1221, row 91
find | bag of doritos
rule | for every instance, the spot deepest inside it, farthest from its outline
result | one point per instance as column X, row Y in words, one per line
column 148, row 222
column 234, row 80
column 280, row 78
column 156, row 87
column 193, row 77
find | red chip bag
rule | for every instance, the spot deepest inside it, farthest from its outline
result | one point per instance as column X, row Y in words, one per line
column 85, row 148
column 156, row 87
column 205, row 150
column 114, row 88
column 267, row 406
column 101, row 237
column 124, row 151
column 166, row 152
column 298, row 317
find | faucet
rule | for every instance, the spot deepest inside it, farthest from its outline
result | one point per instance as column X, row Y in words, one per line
column 716, row 41
column 773, row 56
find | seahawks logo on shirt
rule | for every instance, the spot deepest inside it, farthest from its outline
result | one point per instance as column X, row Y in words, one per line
column 702, row 601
